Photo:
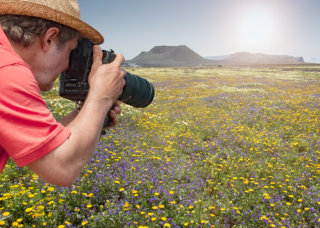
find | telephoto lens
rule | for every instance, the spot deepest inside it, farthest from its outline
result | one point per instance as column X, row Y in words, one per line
column 137, row 92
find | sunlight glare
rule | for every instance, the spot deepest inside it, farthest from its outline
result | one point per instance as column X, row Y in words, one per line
column 257, row 27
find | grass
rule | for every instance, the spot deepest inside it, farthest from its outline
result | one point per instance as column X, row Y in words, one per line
column 218, row 147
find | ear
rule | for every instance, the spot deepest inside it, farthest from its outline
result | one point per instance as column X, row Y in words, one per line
column 49, row 38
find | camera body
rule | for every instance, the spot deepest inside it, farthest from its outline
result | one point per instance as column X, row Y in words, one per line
column 137, row 92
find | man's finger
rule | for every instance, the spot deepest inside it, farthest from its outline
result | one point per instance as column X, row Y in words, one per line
column 112, row 114
column 119, row 60
column 117, row 109
column 97, row 56
column 113, row 117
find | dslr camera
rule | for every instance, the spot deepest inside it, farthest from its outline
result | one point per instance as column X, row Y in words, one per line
column 137, row 92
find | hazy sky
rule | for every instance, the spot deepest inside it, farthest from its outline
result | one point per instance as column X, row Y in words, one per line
column 209, row 27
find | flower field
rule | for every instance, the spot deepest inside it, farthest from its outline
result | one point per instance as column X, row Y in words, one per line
column 218, row 147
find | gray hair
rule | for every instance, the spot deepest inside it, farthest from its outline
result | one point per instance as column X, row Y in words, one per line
column 25, row 29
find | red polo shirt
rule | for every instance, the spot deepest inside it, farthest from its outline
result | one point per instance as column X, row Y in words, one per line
column 28, row 130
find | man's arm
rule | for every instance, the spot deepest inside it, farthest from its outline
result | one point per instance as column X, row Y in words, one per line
column 67, row 119
column 63, row 165
column 72, row 115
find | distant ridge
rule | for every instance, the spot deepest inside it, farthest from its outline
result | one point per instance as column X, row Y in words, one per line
column 259, row 58
column 162, row 56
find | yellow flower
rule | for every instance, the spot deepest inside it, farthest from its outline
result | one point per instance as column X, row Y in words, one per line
column 121, row 189
column 161, row 206
column 154, row 207
column 153, row 219
column 28, row 209
column 186, row 224
column 264, row 218
column 2, row 223
column 157, row 193
column 15, row 224
column 266, row 196
column 171, row 192
column 6, row 213
column 90, row 195
column 89, row 206
column 84, row 223
column 190, row 207
column 51, row 202
column 163, row 218
column 166, row 225
column 51, row 189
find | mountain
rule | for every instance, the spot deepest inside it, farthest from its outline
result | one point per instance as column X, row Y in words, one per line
column 246, row 58
column 165, row 56
column 170, row 56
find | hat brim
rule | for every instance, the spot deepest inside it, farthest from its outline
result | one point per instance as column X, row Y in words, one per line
column 41, row 11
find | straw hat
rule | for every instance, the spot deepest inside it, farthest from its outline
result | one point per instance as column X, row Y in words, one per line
column 65, row 12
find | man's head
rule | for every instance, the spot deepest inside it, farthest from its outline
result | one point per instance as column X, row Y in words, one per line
column 44, row 32
column 64, row 12
column 25, row 30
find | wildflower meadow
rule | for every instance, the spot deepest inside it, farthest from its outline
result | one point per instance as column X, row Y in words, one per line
column 218, row 147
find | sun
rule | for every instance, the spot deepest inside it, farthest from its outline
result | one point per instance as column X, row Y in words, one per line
column 257, row 26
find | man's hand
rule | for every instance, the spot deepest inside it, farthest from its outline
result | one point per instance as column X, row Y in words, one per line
column 116, row 110
column 106, row 80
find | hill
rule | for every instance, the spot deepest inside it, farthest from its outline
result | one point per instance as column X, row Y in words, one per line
column 170, row 56
column 163, row 56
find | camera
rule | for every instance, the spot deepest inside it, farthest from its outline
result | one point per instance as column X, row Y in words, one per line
column 137, row 92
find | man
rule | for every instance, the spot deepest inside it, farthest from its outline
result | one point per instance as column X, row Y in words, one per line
column 36, row 38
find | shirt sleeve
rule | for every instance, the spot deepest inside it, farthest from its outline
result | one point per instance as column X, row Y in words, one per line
column 28, row 131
